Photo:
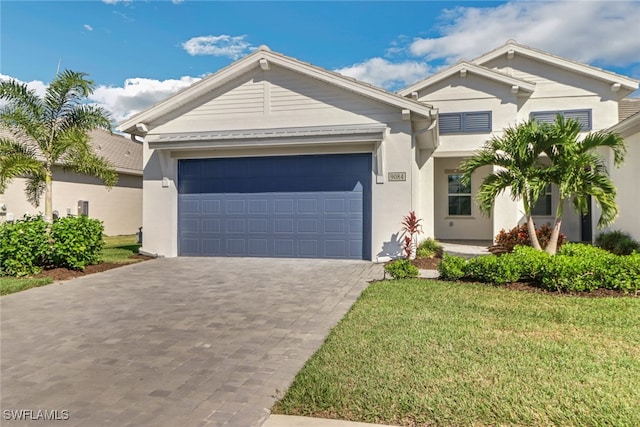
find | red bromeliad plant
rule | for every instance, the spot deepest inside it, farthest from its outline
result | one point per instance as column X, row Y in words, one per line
column 411, row 227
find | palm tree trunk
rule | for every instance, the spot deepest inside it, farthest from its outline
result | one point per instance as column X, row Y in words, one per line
column 48, row 199
column 531, row 227
column 552, row 247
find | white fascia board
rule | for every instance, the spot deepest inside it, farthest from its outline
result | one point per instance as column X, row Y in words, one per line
column 472, row 69
column 253, row 61
column 568, row 64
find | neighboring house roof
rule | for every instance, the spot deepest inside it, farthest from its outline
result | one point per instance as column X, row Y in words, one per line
column 262, row 57
column 513, row 48
column 122, row 152
column 628, row 126
column 463, row 67
column 628, row 107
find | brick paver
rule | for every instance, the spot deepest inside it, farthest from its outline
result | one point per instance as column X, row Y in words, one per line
column 171, row 342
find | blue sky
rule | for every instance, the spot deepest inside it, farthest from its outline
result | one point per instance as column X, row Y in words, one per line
column 139, row 52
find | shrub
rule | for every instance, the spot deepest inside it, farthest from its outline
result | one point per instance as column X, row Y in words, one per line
column 24, row 246
column 411, row 228
column 493, row 269
column 520, row 236
column 570, row 273
column 77, row 242
column 617, row 242
column 429, row 248
column 401, row 269
column 451, row 267
column 530, row 261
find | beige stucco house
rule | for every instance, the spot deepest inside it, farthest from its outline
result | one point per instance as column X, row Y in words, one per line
column 119, row 208
column 272, row 156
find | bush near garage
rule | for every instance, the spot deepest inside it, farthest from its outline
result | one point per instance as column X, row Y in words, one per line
column 23, row 246
column 401, row 269
column 30, row 244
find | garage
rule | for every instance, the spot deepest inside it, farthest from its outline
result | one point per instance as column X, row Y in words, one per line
column 306, row 206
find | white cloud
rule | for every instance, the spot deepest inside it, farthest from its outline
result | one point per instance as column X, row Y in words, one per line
column 88, row 27
column 137, row 94
column 223, row 45
column 381, row 72
column 590, row 31
column 177, row 1
column 39, row 87
column 116, row 1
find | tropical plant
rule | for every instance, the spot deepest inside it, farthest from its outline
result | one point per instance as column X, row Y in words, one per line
column 580, row 172
column 411, row 227
column 50, row 130
column 516, row 156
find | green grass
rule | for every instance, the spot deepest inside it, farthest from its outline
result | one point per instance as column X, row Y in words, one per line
column 10, row 285
column 428, row 353
column 117, row 250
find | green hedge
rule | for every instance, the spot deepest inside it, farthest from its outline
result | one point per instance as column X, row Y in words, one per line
column 401, row 269
column 576, row 267
column 30, row 244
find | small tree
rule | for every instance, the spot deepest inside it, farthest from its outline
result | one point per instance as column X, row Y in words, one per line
column 49, row 131
column 517, row 155
column 579, row 171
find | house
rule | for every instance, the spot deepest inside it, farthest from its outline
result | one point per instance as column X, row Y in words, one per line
column 626, row 178
column 119, row 208
column 275, row 157
column 511, row 84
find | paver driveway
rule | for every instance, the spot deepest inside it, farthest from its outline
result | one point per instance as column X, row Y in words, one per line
column 171, row 342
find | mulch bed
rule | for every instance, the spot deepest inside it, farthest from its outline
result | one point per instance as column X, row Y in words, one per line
column 426, row 263
column 65, row 274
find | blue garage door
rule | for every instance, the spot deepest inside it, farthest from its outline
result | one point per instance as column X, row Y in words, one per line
column 296, row 206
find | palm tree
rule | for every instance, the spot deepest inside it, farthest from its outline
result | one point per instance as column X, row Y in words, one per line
column 49, row 131
column 579, row 171
column 517, row 154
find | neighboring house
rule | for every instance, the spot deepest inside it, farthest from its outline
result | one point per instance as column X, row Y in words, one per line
column 627, row 178
column 275, row 157
column 120, row 208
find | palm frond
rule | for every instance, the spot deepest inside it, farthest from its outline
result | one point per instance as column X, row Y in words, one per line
column 21, row 97
column 86, row 162
column 613, row 141
column 16, row 163
column 34, row 188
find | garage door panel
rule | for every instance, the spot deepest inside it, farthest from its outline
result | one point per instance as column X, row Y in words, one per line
column 299, row 206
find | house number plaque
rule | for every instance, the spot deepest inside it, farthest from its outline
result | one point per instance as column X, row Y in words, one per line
column 397, row 176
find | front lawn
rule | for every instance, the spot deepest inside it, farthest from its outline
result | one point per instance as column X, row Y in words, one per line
column 431, row 353
column 117, row 250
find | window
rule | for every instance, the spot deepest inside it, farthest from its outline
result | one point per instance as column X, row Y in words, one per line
column 476, row 121
column 582, row 116
column 459, row 196
column 543, row 205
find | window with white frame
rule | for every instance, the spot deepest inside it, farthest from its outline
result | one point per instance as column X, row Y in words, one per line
column 459, row 195
column 543, row 205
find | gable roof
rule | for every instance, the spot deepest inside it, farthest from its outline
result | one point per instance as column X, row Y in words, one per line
column 511, row 47
column 123, row 153
column 469, row 67
column 261, row 58
column 628, row 126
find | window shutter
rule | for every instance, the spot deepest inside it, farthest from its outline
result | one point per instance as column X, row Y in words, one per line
column 582, row 116
column 450, row 122
column 477, row 121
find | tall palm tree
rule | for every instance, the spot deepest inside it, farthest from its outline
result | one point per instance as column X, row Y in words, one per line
column 49, row 131
column 517, row 155
column 579, row 171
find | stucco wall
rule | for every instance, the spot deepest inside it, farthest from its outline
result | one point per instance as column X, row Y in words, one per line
column 627, row 182
column 120, row 209
column 280, row 98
